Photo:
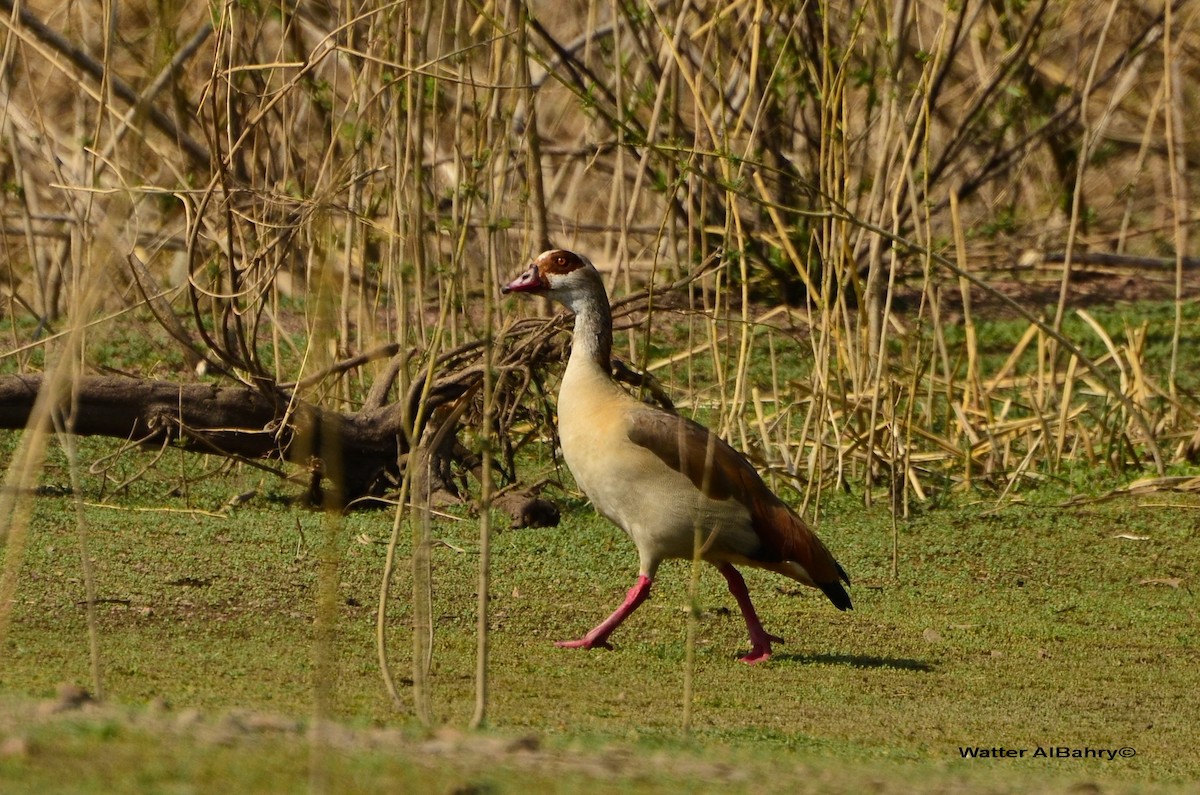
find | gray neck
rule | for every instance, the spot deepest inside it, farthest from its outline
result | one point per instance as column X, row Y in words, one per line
column 592, row 340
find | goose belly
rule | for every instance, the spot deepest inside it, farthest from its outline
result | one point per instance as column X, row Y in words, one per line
column 660, row 509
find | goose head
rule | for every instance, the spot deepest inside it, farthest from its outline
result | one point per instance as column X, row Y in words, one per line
column 562, row 275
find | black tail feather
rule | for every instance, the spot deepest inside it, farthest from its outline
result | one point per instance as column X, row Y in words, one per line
column 836, row 593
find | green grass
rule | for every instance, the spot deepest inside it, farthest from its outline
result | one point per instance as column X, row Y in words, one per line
column 1031, row 626
column 1024, row 627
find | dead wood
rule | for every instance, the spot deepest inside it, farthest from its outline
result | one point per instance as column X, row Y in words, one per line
column 231, row 421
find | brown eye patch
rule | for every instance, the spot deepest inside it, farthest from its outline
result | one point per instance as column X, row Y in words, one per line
column 559, row 261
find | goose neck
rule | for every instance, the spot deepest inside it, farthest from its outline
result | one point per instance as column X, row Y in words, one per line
column 592, row 339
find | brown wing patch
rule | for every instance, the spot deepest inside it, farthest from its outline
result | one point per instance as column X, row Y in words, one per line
column 688, row 447
column 723, row 473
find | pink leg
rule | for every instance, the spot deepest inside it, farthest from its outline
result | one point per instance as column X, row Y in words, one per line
column 760, row 639
column 639, row 593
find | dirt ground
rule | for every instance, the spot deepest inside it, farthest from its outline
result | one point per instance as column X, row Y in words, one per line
column 1091, row 283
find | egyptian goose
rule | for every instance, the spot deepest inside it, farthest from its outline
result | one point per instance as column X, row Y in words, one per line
column 661, row 477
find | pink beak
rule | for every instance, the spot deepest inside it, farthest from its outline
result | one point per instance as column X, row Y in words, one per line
column 528, row 282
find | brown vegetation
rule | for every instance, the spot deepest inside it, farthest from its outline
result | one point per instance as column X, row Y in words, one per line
column 828, row 155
